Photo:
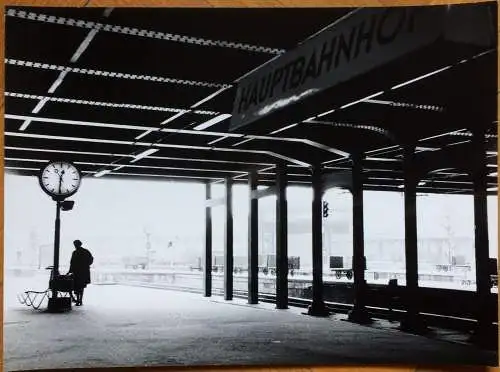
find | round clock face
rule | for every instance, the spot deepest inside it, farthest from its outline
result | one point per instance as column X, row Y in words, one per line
column 60, row 179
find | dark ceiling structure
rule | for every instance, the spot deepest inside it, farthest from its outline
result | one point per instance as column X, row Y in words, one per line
column 147, row 93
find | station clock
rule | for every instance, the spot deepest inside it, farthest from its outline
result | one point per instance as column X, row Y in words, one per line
column 60, row 179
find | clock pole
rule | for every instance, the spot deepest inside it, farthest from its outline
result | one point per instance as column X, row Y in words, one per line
column 57, row 231
column 57, row 238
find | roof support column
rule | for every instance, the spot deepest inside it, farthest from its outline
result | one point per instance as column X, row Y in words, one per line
column 228, row 241
column 253, row 240
column 281, row 238
column 317, row 307
column 484, row 332
column 207, row 258
column 412, row 321
column 359, row 313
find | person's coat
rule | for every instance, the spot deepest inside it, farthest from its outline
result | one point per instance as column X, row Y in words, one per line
column 81, row 259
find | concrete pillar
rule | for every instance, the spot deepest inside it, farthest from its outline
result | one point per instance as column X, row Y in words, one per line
column 228, row 241
column 317, row 307
column 485, row 330
column 412, row 321
column 359, row 314
column 281, row 238
column 207, row 258
column 253, row 241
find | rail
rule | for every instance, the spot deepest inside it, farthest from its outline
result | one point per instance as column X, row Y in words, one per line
column 433, row 320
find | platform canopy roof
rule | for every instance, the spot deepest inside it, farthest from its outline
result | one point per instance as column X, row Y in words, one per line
column 100, row 87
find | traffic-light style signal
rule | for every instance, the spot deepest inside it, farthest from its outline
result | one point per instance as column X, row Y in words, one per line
column 326, row 210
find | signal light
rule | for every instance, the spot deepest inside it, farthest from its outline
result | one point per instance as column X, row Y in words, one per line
column 326, row 210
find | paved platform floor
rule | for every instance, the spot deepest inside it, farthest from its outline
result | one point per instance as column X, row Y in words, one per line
column 121, row 325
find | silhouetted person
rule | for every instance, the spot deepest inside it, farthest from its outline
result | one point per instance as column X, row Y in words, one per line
column 81, row 259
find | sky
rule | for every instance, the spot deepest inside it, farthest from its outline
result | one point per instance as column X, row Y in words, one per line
column 112, row 216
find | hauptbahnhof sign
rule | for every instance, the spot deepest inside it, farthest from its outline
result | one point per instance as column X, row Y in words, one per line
column 354, row 45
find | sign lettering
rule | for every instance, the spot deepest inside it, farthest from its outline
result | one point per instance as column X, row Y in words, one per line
column 366, row 39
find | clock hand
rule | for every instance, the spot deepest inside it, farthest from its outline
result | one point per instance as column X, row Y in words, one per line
column 60, row 180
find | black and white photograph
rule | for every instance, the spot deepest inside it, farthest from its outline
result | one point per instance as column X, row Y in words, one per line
column 250, row 186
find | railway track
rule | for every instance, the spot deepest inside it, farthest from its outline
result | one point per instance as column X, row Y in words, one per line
column 433, row 320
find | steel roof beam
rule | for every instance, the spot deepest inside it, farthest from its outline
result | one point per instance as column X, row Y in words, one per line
column 114, row 74
column 159, row 145
column 201, row 159
column 132, row 31
column 90, row 102
column 178, row 131
column 132, row 166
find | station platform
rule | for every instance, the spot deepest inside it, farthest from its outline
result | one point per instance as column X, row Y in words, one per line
column 125, row 325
